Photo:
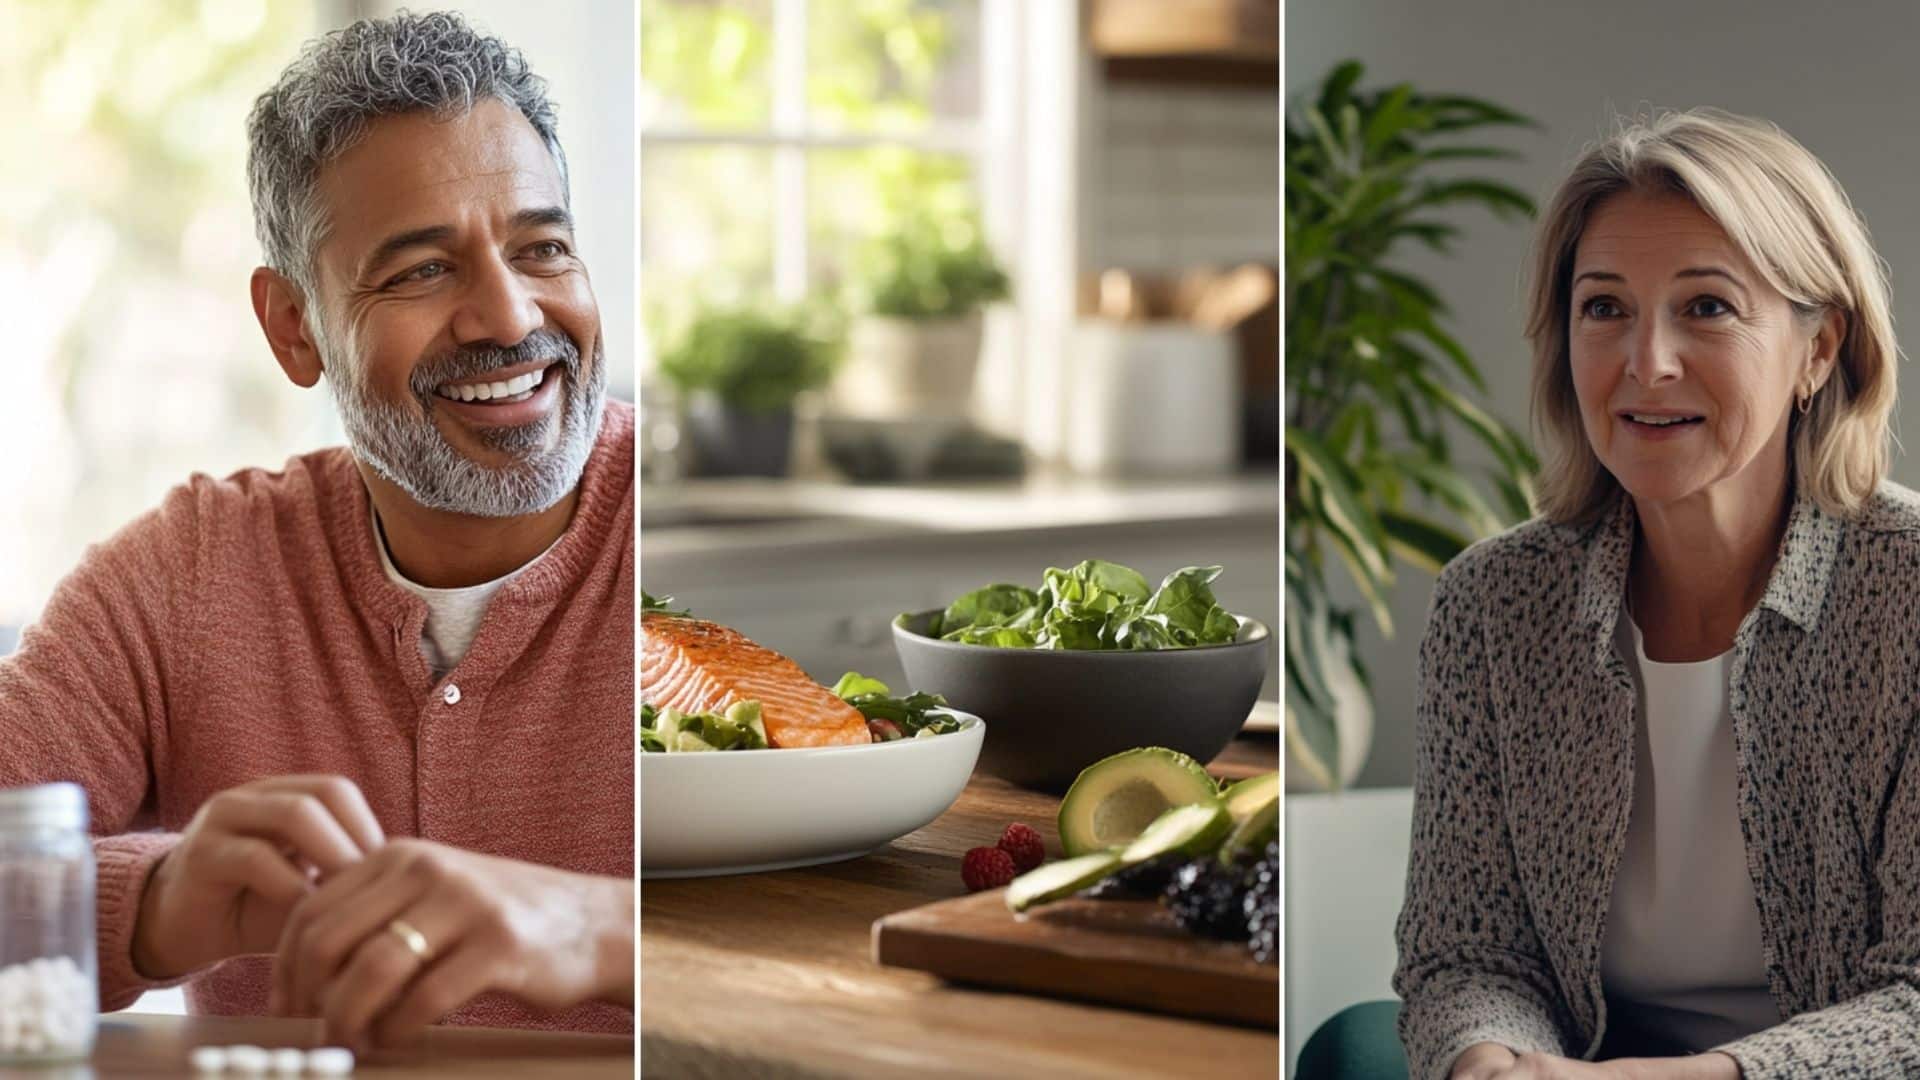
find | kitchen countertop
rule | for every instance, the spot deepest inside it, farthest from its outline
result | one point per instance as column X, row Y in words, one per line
column 772, row 974
column 755, row 514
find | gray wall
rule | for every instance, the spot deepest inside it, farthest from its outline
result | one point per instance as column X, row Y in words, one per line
column 1844, row 83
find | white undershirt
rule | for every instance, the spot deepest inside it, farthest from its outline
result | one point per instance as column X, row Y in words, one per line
column 1682, row 951
column 453, row 615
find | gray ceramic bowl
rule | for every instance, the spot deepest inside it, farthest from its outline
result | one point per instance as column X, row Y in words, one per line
column 1051, row 713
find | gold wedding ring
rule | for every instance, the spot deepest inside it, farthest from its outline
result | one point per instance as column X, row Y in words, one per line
column 414, row 940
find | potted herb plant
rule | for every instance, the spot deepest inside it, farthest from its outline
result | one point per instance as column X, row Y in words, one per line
column 1376, row 389
column 915, row 348
column 738, row 371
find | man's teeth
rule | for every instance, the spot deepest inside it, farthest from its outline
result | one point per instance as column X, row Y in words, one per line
column 519, row 388
column 1659, row 421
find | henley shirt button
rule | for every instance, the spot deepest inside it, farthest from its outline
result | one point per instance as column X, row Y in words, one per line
column 451, row 695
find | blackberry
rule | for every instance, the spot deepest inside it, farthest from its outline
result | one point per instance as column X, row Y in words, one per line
column 1137, row 882
column 1206, row 899
column 1261, row 906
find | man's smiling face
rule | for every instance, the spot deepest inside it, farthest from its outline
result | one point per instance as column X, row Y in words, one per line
column 455, row 320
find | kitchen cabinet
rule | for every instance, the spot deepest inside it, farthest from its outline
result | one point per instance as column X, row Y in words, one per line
column 1233, row 42
column 1241, row 29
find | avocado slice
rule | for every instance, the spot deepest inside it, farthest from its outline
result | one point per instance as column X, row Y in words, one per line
column 1190, row 830
column 1244, row 798
column 1058, row 879
column 1254, row 833
column 1117, row 797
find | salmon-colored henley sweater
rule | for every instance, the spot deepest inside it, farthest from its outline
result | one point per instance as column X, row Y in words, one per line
column 246, row 629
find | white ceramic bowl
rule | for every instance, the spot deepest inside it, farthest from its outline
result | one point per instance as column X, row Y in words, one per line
column 743, row 811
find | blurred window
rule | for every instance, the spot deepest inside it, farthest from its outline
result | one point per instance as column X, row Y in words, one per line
column 781, row 138
column 126, row 239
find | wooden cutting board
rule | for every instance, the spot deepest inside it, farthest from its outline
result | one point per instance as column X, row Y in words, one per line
column 1118, row 952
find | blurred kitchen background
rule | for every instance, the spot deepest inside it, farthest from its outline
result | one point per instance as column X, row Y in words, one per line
column 126, row 241
column 943, row 292
column 1841, row 85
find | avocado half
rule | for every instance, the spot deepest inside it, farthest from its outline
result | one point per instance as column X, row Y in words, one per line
column 1246, row 797
column 1116, row 798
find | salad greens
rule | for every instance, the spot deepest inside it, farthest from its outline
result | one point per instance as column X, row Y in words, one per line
column 660, row 604
column 672, row 731
column 741, row 727
column 1095, row 605
column 889, row 717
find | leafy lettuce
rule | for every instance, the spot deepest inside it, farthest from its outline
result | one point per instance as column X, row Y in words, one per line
column 670, row 731
column 1095, row 605
column 911, row 717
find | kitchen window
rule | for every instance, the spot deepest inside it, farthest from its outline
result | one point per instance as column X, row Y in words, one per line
column 126, row 239
column 780, row 138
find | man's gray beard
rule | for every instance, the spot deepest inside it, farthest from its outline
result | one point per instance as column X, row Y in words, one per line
column 410, row 452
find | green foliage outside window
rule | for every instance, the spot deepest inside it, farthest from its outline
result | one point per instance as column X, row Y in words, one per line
column 874, row 67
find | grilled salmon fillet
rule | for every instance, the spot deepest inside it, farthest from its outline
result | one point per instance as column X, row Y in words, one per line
column 697, row 666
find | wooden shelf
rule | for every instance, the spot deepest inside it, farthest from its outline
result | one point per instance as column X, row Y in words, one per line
column 1243, row 31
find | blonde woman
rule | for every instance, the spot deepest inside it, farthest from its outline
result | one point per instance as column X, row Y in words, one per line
column 1667, row 810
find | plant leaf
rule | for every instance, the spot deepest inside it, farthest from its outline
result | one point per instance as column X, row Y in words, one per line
column 1457, row 112
column 1346, row 514
column 1515, row 500
column 1469, row 153
column 1453, row 350
column 1389, row 119
column 1500, row 198
column 1339, row 84
column 1453, row 489
column 1421, row 542
column 1499, row 438
column 1372, row 586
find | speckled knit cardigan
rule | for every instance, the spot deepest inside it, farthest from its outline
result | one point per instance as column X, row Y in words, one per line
column 1524, row 781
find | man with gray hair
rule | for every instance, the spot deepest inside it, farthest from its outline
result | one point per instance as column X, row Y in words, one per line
column 358, row 734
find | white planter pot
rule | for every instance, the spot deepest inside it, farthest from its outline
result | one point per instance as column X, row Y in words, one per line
column 908, row 367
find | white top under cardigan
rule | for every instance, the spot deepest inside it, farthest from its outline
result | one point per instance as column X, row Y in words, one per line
column 453, row 615
column 1681, row 958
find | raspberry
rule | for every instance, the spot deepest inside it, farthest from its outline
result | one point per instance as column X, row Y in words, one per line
column 1025, row 845
column 986, row 868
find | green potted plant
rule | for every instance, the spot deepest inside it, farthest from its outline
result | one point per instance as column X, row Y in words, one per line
column 1376, row 389
column 738, row 371
column 915, row 346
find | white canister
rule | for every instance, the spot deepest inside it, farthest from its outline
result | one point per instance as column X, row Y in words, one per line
column 1160, row 397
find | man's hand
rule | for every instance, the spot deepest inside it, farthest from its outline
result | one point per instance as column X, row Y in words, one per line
column 548, row 937
column 249, row 855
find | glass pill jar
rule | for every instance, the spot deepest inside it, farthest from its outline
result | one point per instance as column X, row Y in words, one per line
column 49, row 995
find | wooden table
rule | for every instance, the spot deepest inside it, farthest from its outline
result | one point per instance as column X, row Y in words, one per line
column 771, row 975
column 148, row 1045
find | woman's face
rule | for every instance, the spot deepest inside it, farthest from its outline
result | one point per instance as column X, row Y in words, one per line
column 1685, row 360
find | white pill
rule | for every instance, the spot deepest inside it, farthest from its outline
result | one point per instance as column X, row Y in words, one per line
column 208, row 1059
column 247, row 1059
column 289, row 1061
column 330, row 1061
